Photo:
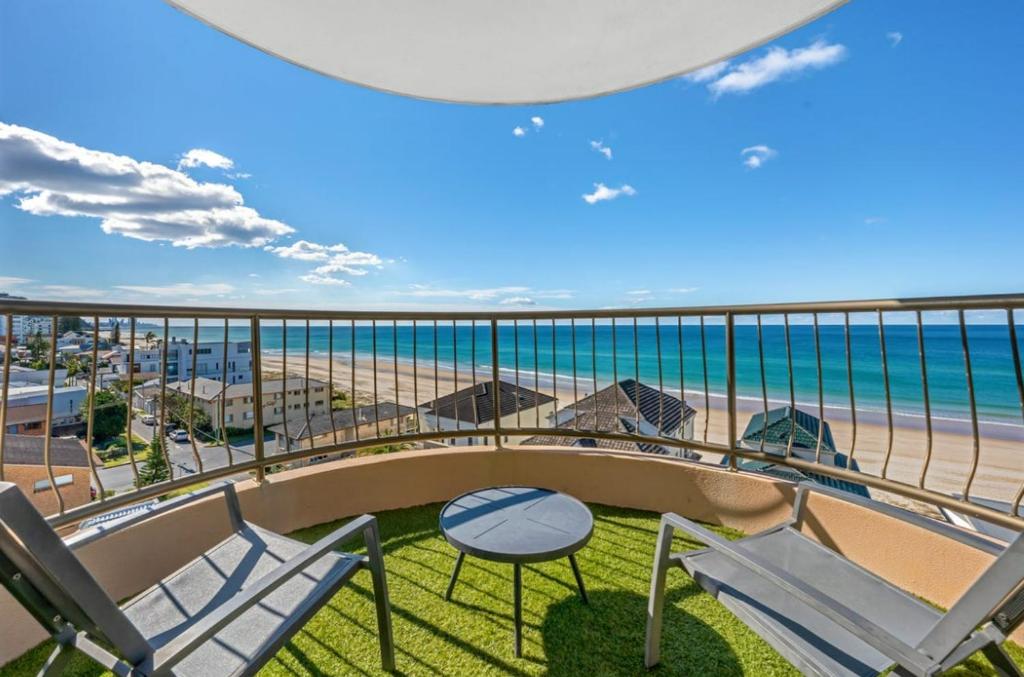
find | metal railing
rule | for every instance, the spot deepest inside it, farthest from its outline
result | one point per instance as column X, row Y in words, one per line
column 845, row 363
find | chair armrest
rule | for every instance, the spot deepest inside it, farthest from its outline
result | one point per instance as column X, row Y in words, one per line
column 835, row 611
column 103, row 530
column 188, row 641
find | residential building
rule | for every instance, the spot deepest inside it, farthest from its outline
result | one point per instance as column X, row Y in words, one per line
column 24, row 327
column 627, row 407
column 280, row 398
column 473, row 407
column 24, row 376
column 344, row 425
column 210, row 360
column 24, row 465
column 26, row 410
column 783, row 424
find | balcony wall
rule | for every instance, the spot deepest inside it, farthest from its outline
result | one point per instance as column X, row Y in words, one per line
column 129, row 561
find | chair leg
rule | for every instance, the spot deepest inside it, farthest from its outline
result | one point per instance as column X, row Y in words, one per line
column 1001, row 661
column 455, row 576
column 57, row 661
column 517, row 593
column 380, row 597
column 656, row 600
column 579, row 578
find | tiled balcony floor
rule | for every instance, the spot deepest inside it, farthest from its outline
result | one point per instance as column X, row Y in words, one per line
column 472, row 634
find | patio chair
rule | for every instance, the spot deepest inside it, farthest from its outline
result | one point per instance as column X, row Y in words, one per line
column 225, row 613
column 827, row 615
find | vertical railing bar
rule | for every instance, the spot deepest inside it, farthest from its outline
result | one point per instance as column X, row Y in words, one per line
column 661, row 378
column 284, row 384
column 707, row 397
column 975, row 435
column 48, row 427
column 305, row 376
column 223, row 397
column 730, row 383
column 849, row 379
column 472, row 360
column 821, row 391
column 593, row 364
column 330, row 379
column 376, row 399
column 355, row 419
column 575, row 385
column 437, row 395
column 455, row 373
column 92, row 406
column 130, row 414
column 636, row 373
column 554, row 368
column 394, row 362
column 1015, row 352
column 495, row 375
column 764, row 382
column 927, row 402
column 515, row 341
column 192, row 396
column 256, row 350
column 536, row 372
column 8, row 319
column 416, row 377
column 615, row 374
column 888, row 393
column 163, row 400
column 792, row 387
column 682, row 375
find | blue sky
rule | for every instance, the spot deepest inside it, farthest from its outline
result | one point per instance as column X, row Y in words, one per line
column 875, row 166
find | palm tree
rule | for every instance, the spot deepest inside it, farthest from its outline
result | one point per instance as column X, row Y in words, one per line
column 150, row 337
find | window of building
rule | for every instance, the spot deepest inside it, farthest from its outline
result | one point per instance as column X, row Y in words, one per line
column 204, row 351
column 230, row 418
column 247, row 416
column 60, row 481
column 33, row 425
column 319, row 403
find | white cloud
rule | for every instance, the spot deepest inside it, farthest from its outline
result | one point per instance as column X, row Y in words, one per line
column 603, row 192
column 518, row 301
column 204, row 157
column 239, row 175
column 775, row 64
column 65, row 291
column 519, row 131
column 707, row 73
column 601, row 148
column 334, row 259
column 894, row 37
column 7, row 281
column 254, row 275
column 320, row 278
column 639, row 292
column 179, row 289
column 874, row 220
column 136, row 199
column 304, row 250
column 683, row 290
column 537, row 121
column 755, row 156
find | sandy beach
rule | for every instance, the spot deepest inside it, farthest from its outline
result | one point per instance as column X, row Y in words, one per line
column 999, row 475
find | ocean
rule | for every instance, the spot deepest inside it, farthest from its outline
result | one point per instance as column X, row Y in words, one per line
column 995, row 384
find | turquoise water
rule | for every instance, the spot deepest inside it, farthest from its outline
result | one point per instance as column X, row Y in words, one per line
column 991, row 360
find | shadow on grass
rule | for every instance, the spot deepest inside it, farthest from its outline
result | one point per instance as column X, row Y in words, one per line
column 607, row 637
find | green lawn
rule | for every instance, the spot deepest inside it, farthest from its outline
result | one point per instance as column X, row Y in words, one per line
column 472, row 634
column 139, row 446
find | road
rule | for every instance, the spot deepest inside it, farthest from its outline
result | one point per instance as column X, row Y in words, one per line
column 120, row 478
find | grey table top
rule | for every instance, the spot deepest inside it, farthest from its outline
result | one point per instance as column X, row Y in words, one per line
column 517, row 524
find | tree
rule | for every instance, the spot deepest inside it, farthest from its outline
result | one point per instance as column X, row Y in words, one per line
column 150, row 337
column 38, row 346
column 154, row 469
column 73, row 365
column 66, row 324
column 109, row 414
column 115, row 333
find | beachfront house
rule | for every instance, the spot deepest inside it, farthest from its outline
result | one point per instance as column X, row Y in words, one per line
column 627, row 407
column 209, row 356
column 25, row 465
column 473, row 407
column 343, row 425
column 279, row 399
column 776, row 429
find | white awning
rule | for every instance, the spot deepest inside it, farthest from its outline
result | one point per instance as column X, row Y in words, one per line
column 491, row 51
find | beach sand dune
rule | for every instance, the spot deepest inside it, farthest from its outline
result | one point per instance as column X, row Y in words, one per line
column 1000, row 459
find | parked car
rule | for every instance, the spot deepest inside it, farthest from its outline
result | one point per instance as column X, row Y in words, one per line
column 179, row 436
column 149, row 419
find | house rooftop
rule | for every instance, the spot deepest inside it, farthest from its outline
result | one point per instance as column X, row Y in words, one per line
column 208, row 389
column 776, row 433
column 475, row 404
column 28, row 450
column 320, row 424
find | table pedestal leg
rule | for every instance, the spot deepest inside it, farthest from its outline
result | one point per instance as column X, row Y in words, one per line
column 517, row 590
column 579, row 578
column 455, row 576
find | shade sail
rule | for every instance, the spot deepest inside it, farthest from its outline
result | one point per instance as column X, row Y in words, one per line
column 491, row 51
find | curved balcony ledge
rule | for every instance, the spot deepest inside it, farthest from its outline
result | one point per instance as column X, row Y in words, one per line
column 127, row 562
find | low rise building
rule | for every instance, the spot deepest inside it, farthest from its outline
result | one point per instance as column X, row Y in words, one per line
column 26, row 410
column 24, row 327
column 24, row 465
column 473, row 407
column 344, row 425
column 280, row 398
column 210, row 360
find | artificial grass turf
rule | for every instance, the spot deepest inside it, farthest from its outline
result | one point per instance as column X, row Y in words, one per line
column 472, row 634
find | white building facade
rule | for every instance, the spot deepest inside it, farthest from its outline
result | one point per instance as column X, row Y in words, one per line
column 210, row 361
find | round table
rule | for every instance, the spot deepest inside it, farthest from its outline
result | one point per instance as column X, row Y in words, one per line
column 517, row 525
